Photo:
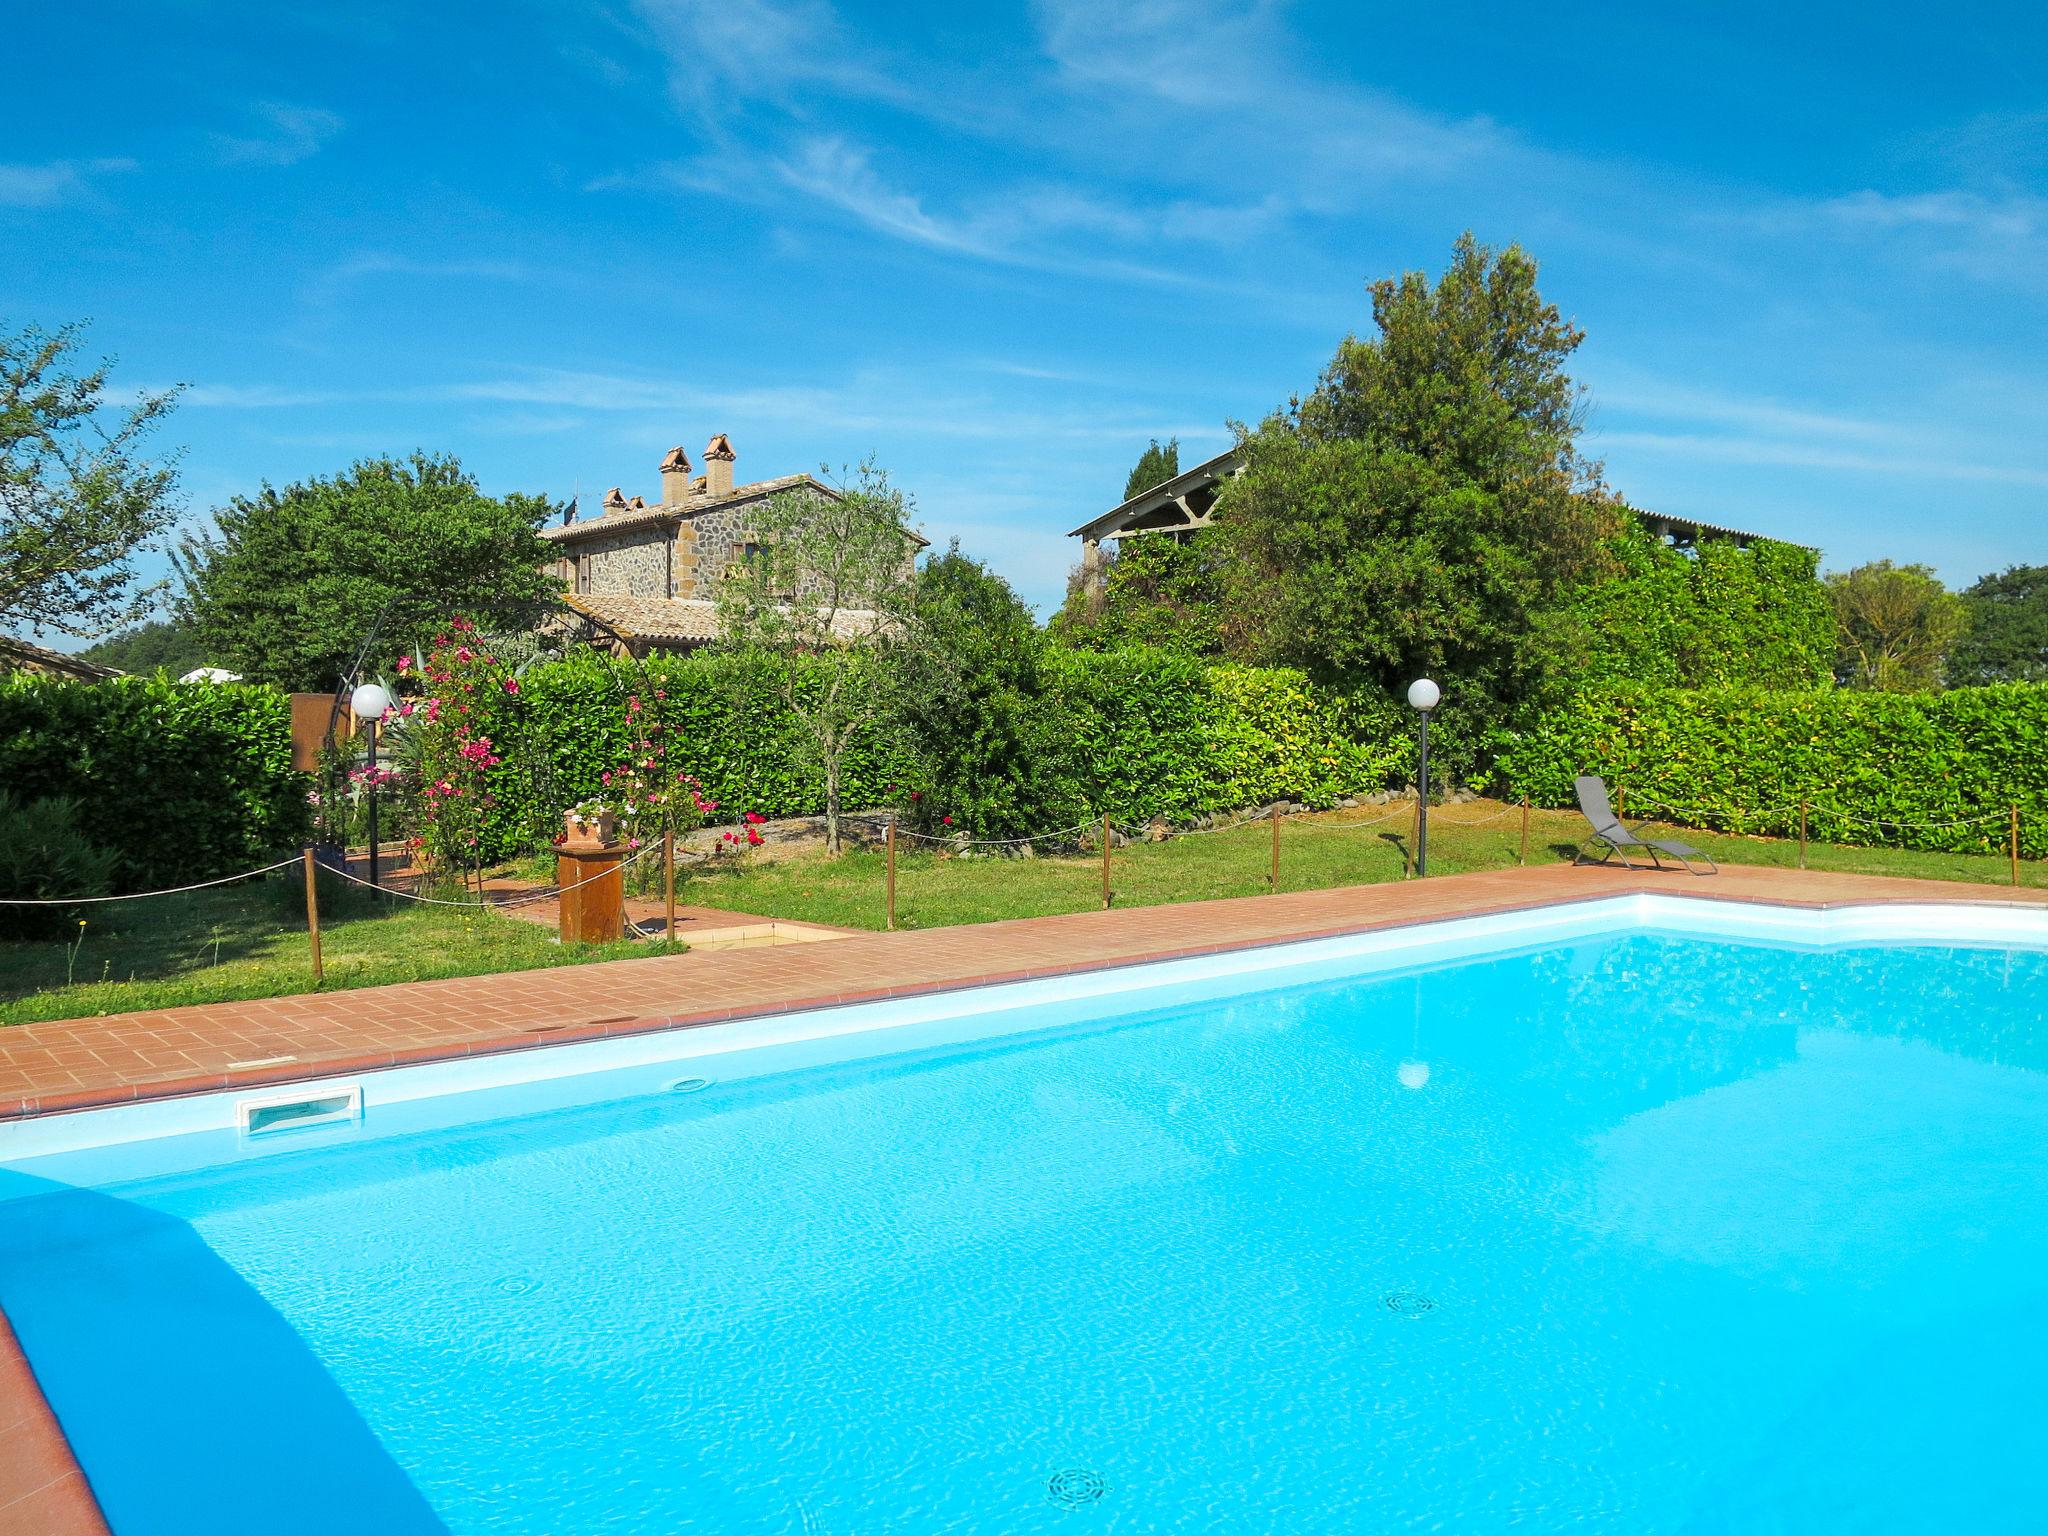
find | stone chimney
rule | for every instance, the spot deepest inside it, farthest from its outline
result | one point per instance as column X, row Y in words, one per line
column 718, row 457
column 675, row 477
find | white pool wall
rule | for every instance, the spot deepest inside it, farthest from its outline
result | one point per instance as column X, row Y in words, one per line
column 182, row 1134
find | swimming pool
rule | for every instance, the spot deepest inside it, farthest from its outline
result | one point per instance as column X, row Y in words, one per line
column 1639, row 1215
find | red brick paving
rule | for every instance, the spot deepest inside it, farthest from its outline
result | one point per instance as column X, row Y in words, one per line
column 80, row 1063
column 42, row 1492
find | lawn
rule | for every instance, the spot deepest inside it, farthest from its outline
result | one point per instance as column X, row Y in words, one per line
column 250, row 941
column 1346, row 848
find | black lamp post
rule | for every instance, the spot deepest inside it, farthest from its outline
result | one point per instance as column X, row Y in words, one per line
column 1423, row 696
column 369, row 701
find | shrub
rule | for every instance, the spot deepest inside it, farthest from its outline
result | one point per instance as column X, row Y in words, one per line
column 1743, row 759
column 44, row 853
column 180, row 781
column 1147, row 733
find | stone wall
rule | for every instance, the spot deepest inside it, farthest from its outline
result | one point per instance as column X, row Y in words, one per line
column 630, row 563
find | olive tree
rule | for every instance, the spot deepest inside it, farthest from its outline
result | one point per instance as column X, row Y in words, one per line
column 823, row 593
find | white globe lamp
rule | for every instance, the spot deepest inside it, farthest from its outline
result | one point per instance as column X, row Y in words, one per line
column 1423, row 696
column 370, row 700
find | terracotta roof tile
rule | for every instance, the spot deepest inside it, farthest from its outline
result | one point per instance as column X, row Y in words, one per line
column 686, row 620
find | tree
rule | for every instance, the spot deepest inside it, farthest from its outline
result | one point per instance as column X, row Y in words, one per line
column 1894, row 625
column 289, row 584
column 1158, row 590
column 78, row 502
column 1155, row 466
column 2007, row 641
column 823, row 595
column 970, row 681
column 161, row 645
column 1422, row 508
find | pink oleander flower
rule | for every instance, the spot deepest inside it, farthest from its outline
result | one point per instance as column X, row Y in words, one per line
column 511, row 685
column 405, row 663
column 632, row 842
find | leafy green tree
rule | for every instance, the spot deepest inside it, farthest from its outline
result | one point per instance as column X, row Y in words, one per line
column 288, row 585
column 1894, row 626
column 824, row 597
column 971, row 683
column 78, row 502
column 161, row 645
column 1426, row 504
column 1157, row 590
column 2007, row 641
column 1155, row 466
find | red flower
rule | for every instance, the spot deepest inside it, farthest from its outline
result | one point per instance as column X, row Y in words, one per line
column 946, row 821
column 755, row 837
column 755, row 818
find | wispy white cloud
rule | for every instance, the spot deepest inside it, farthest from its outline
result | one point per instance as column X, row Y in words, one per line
column 1630, row 394
column 1997, row 236
column 55, row 181
column 1798, row 455
column 331, row 281
column 289, row 134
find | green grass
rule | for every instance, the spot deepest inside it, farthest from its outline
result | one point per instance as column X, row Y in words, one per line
column 1350, row 848
column 247, row 941
column 250, row 941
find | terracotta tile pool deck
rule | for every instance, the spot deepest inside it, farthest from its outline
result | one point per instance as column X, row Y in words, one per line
column 86, row 1063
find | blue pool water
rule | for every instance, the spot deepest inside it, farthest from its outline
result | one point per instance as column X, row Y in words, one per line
column 1641, row 1233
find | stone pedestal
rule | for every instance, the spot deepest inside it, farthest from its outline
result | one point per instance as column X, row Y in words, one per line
column 594, row 911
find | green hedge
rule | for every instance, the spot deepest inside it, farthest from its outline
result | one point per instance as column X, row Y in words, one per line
column 1147, row 733
column 183, row 781
column 1135, row 733
column 569, row 725
column 1742, row 759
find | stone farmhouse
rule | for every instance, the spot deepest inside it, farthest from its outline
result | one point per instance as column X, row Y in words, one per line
column 649, row 571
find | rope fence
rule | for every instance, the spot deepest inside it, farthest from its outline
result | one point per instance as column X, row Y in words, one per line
column 1106, row 834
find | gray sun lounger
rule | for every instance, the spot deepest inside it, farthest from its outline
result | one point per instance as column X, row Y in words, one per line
column 1608, row 829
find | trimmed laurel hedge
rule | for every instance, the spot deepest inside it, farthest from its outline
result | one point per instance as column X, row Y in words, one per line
column 1741, row 759
column 1134, row 733
column 182, row 781
column 1145, row 733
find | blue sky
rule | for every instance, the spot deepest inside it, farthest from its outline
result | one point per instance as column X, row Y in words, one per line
column 999, row 247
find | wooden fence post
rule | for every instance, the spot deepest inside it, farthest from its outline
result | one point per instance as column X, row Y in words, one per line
column 1273, row 877
column 1802, row 834
column 889, row 842
column 2015, row 843
column 1106, row 835
column 313, row 917
column 1525, row 829
column 668, row 876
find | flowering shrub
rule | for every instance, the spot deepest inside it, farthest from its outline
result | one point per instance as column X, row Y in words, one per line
column 449, row 751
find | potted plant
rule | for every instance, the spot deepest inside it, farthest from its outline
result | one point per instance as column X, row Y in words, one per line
column 588, row 821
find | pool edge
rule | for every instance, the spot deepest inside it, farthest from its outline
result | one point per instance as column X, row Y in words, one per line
column 42, row 1486
column 26, row 1107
